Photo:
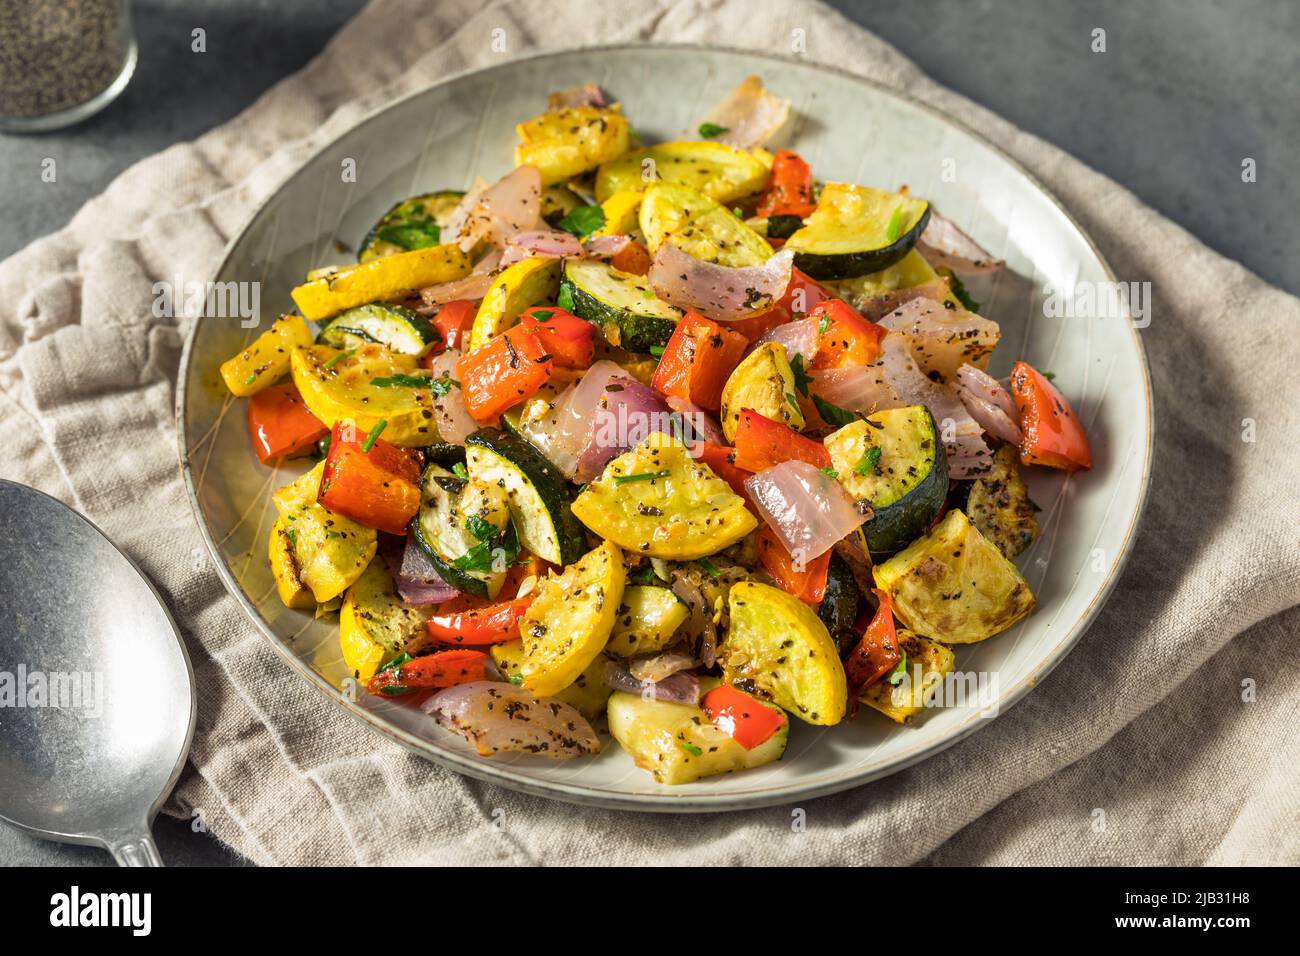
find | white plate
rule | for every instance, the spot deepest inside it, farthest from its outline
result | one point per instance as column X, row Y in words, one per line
column 848, row 129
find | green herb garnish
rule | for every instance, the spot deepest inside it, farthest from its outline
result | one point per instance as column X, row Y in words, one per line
column 867, row 462
column 657, row 351
column 896, row 676
column 401, row 381
column 641, row 476
column 396, row 662
column 1050, row 376
column 565, row 299
column 691, row 749
column 896, row 224
column 959, row 291
column 458, row 469
column 583, row 221
column 443, row 384
column 709, row 568
column 480, row 527
column 251, row 379
column 712, row 130
column 801, row 377
column 374, row 434
column 823, row 324
column 411, row 235
column 834, row 415
column 831, row 473
column 338, row 358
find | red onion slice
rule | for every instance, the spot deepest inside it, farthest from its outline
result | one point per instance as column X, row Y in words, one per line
column 962, row 436
column 502, row 718
column 588, row 95
column 605, row 247
column 625, row 414
column 473, row 286
column 944, row 244
column 944, row 339
column 659, row 667
column 541, row 244
column 808, row 510
column 720, row 292
column 988, row 403
column 799, row 338
column 510, row 206
column 449, row 409
column 858, row 388
column 697, row 424
column 680, row 688
column 750, row 115
column 418, row 582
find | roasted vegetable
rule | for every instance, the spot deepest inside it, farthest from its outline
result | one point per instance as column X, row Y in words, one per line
column 840, row 603
column 954, row 585
column 397, row 327
column 266, row 361
column 367, row 386
column 876, row 293
column 537, row 494
column 764, row 382
column 893, row 460
column 527, row 283
column 677, row 743
column 568, row 142
column 777, row 648
column 328, row 550
column 284, row 568
column 375, row 626
column 464, row 526
column 414, row 223
column 856, row 230
column 720, row 172
column 647, row 621
column 999, row 505
column 899, row 701
column 378, row 280
column 658, row 501
column 621, row 305
column 699, row 226
column 588, row 693
column 570, row 620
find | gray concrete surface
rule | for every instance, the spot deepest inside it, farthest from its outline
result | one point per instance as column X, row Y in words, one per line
column 1184, row 92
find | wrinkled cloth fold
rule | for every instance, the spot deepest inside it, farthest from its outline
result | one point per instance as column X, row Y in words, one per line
column 1166, row 737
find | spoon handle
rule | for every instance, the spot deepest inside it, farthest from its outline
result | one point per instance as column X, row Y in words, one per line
column 136, row 849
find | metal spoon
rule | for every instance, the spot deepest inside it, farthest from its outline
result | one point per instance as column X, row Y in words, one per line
column 97, row 697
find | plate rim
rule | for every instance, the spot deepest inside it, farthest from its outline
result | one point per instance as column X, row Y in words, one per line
column 503, row 774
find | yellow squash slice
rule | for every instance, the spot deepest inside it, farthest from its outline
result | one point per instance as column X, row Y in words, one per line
column 588, row 693
column 764, row 382
column 568, row 142
column 527, row 283
column 375, row 625
column 926, row 659
column 370, row 385
column 658, row 501
column 386, row 278
column 328, row 550
column 266, row 361
column 700, row 227
column 721, row 172
column 570, row 620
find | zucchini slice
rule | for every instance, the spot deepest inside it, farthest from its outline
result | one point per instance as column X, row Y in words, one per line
column 568, row 142
column 537, row 493
column 380, row 280
column 778, row 649
column 699, row 226
column 840, row 604
column 764, row 381
column 622, row 305
column 677, row 743
column 954, row 585
column 874, row 293
column 999, row 505
column 414, row 223
column 900, row 701
column 894, row 460
column 396, row 327
column 375, row 625
column 721, row 172
column 266, row 361
column 646, row 621
column 570, row 619
column 588, row 693
column 368, row 385
column 328, row 550
column 856, row 230
column 461, row 548
column 658, row 501
column 527, row 283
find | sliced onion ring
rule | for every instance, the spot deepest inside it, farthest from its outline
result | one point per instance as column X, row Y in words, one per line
column 808, row 510
column 720, row 292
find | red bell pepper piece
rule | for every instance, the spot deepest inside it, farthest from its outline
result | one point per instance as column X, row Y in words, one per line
column 1051, row 434
column 877, row 653
column 697, row 360
column 747, row 721
column 789, row 188
column 762, row 443
column 633, row 258
column 569, row 340
column 801, row 295
column 721, row 460
column 807, row 583
column 439, row 669
column 503, row 372
column 493, row 624
column 280, row 424
column 453, row 323
column 378, row 488
column 843, row 336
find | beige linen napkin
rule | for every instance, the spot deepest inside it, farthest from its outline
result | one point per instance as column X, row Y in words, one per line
column 1143, row 747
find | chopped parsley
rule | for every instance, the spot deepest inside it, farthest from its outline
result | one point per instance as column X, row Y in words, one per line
column 443, row 384
column 709, row 568
column 895, row 677
column 896, row 223
column 712, row 130
column 833, row 415
column 374, row 434
column 480, row 527
column 565, row 299
column 831, row 473
column 824, row 323
column 960, row 292
column 657, row 351
column 401, row 381
column 583, row 221
column 801, row 377
column 338, row 358
column 691, row 749
column 867, row 462
column 641, row 476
